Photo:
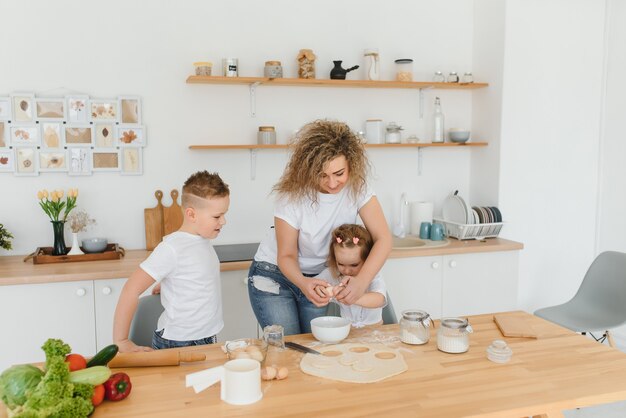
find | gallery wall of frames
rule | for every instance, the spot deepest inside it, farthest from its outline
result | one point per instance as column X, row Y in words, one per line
column 75, row 134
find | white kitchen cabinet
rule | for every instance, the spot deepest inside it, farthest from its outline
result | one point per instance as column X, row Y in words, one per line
column 33, row 313
column 414, row 283
column 239, row 319
column 106, row 295
column 480, row 283
column 454, row 285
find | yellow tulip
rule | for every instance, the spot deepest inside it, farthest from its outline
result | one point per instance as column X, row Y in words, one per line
column 45, row 193
column 60, row 193
column 75, row 192
column 40, row 195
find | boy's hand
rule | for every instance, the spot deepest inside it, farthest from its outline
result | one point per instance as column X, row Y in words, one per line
column 308, row 287
column 127, row 346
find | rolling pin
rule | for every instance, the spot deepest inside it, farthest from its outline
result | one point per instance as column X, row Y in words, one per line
column 155, row 358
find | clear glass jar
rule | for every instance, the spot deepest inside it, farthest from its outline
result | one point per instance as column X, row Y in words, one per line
column 453, row 335
column 415, row 327
column 453, row 77
column 273, row 69
column 404, row 69
column 393, row 135
column 266, row 135
column 467, row 78
column 438, row 77
column 203, row 68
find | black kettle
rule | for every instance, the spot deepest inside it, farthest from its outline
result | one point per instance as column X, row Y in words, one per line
column 339, row 73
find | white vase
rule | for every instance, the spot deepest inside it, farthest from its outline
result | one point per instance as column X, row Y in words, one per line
column 75, row 247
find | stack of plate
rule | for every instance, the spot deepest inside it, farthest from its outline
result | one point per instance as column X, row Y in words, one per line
column 456, row 210
column 486, row 214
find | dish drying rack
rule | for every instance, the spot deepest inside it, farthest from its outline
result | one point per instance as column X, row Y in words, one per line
column 470, row 231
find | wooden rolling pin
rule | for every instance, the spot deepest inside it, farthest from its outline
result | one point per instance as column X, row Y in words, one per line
column 155, row 358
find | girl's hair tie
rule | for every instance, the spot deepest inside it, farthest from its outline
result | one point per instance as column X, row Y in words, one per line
column 338, row 240
column 355, row 240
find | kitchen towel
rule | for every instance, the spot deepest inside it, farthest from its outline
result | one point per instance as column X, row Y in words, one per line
column 420, row 212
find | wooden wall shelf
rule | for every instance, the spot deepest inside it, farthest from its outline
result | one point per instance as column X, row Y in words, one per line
column 283, row 146
column 300, row 82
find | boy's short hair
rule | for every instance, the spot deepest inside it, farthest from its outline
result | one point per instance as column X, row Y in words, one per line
column 204, row 185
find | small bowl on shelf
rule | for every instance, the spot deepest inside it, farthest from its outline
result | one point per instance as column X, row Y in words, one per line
column 330, row 329
column 459, row 135
column 95, row 245
column 250, row 348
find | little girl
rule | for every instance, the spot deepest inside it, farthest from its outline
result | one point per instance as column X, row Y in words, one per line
column 350, row 245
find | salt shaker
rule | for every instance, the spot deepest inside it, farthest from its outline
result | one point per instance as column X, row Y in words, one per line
column 438, row 77
column 467, row 78
column 453, row 77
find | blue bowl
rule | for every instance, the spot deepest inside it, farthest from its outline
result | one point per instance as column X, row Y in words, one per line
column 95, row 245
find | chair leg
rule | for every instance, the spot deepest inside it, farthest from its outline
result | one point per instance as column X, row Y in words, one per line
column 609, row 337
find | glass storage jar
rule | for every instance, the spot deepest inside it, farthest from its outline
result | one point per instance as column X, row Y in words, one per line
column 467, row 78
column 203, row 68
column 438, row 77
column 230, row 67
column 415, row 327
column 273, row 69
column 393, row 135
column 404, row 69
column 266, row 135
column 453, row 77
column 453, row 335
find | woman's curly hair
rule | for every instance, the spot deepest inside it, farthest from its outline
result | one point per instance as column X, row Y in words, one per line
column 315, row 145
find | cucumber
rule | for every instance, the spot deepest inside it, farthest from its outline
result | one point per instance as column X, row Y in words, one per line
column 103, row 356
column 95, row 375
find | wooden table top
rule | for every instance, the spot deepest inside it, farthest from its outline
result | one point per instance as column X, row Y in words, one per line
column 561, row 370
column 13, row 270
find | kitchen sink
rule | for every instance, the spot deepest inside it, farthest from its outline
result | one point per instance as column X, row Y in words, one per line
column 413, row 243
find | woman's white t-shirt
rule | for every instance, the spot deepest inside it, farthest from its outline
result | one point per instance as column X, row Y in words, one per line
column 315, row 222
column 189, row 271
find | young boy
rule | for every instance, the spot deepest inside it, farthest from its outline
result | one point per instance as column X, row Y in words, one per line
column 186, row 266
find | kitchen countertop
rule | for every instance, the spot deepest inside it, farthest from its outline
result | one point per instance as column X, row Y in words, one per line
column 13, row 270
column 542, row 378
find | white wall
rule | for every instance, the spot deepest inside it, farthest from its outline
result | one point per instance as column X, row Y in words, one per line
column 553, row 70
column 147, row 48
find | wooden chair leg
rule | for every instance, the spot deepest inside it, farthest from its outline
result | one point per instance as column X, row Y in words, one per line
column 551, row 414
column 609, row 337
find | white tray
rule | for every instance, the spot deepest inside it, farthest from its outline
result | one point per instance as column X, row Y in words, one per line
column 471, row 231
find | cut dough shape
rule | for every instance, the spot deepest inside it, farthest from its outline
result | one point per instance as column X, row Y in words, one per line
column 322, row 363
column 347, row 359
column 385, row 355
column 332, row 353
column 363, row 366
column 359, row 349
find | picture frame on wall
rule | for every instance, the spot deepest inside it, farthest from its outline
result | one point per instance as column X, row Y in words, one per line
column 103, row 110
column 50, row 161
column 130, row 136
column 52, row 135
column 78, row 135
column 4, row 134
column 27, row 135
column 23, row 107
column 132, row 161
column 104, row 135
column 106, row 160
column 26, row 161
column 77, row 108
column 130, row 110
column 79, row 161
column 7, row 161
column 5, row 109
column 54, row 109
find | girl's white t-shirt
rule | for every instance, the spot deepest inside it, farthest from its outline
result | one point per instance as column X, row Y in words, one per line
column 191, row 293
column 315, row 222
column 358, row 315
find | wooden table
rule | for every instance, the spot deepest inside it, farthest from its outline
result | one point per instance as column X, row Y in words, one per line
column 561, row 370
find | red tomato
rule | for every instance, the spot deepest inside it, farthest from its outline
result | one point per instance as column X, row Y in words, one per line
column 76, row 362
column 98, row 395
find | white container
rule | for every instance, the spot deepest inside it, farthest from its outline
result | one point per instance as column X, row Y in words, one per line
column 374, row 131
column 420, row 212
column 266, row 135
column 415, row 327
column 230, row 67
column 438, row 132
column 393, row 135
column 453, row 335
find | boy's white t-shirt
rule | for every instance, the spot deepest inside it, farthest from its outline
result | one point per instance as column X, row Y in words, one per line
column 358, row 315
column 191, row 293
column 315, row 222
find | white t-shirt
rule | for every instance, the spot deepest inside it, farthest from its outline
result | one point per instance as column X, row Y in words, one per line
column 358, row 315
column 315, row 222
column 191, row 293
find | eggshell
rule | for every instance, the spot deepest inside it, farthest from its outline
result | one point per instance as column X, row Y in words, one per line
column 268, row 373
column 256, row 355
column 328, row 290
column 282, row 373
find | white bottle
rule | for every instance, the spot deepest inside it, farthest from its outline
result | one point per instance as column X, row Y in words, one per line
column 372, row 60
column 438, row 132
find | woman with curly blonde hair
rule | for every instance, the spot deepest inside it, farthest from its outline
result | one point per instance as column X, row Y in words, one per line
column 323, row 186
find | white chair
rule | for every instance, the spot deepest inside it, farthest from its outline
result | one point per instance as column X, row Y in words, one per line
column 599, row 304
column 145, row 320
column 389, row 315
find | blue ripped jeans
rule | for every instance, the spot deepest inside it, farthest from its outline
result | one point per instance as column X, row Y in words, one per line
column 289, row 308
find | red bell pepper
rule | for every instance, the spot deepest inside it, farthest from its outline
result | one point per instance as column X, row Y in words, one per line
column 117, row 387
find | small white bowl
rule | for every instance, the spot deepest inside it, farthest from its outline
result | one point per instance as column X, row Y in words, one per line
column 330, row 329
column 95, row 245
column 459, row 135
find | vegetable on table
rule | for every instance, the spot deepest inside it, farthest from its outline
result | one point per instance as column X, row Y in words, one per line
column 76, row 362
column 117, row 387
column 16, row 382
column 98, row 395
column 103, row 356
column 95, row 375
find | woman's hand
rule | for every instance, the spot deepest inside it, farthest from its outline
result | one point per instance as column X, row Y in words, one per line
column 127, row 346
column 310, row 286
column 353, row 289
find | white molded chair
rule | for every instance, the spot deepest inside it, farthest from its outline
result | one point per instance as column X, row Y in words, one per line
column 600, row 303
column 145, row 320
column 389, row 315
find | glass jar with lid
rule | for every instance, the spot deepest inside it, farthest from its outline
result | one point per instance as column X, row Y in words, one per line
column 453, row 335
column 415, row 327
column 453, row 77
column 467, row 78
column 393, row 133
column 404, row 69
column 439, row 77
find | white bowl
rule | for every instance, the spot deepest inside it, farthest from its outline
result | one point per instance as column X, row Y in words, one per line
column 94, row 245
column 330, row 329
column 459, row 135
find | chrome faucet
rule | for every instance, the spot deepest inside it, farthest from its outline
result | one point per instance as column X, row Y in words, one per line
column 399, row 229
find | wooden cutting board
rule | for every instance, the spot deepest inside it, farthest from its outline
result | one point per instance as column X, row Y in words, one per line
column 514, row 326
column 153, row 221
column 173, row 215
